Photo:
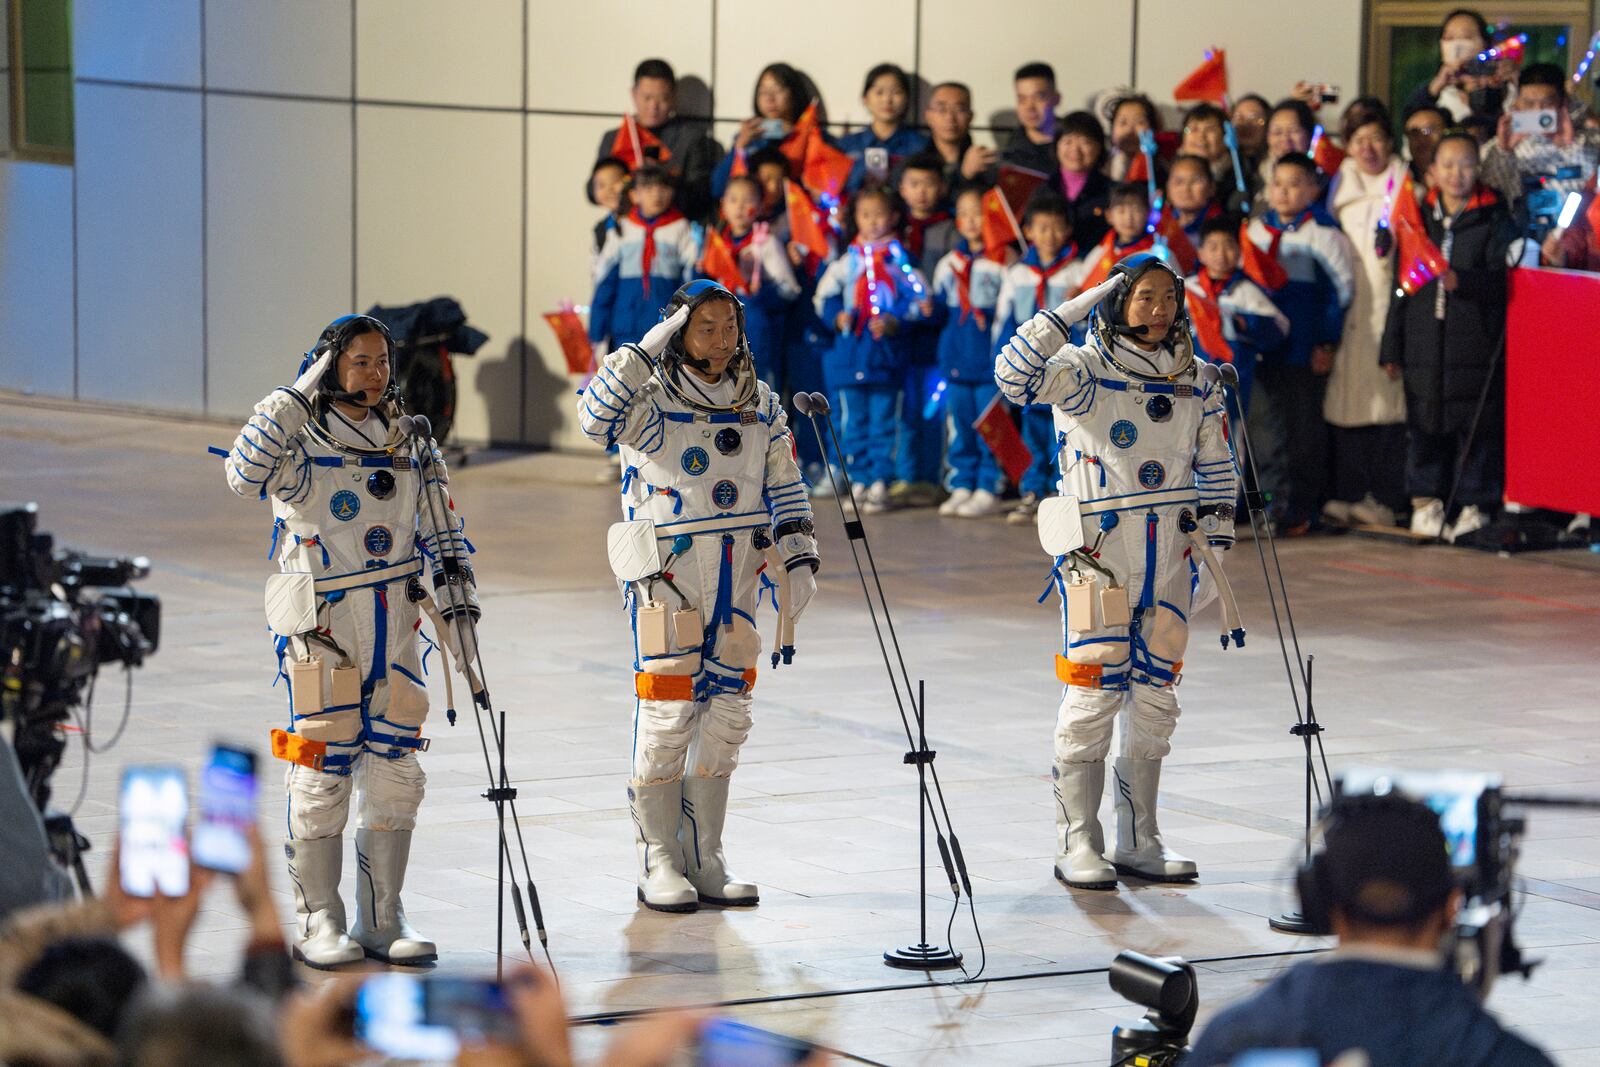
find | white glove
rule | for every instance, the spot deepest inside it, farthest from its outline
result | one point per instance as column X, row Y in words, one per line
column 306, row 385
column 655, row 339
column 802, row 587
column 1074, row 310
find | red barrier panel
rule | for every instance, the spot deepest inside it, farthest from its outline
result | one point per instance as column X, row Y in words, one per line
column 1553, row 390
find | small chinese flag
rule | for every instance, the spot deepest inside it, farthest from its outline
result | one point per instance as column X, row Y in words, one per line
column 1261, row 267
column 634, row 145
column 1004, row 440
column 1208, row 81
column 805, row 225
column 798, row 142
column 826, row 167
column 1104, row 257
column 1206, row 317
column 740, row 166
column 1420, row 259
column 1325, row 154
column 1003, row 207
column 1138, row 170
column 569, row 330
column 719, row 263
column 1171, row 230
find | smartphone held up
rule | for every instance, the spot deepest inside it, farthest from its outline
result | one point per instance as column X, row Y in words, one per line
column 156, row 846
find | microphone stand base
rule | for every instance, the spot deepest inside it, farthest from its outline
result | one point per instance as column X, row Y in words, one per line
column 1290, row 922
column 922, row 957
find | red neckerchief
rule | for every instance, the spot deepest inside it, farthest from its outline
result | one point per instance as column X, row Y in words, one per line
column 916, row 227
column 1041, row 290
column 736, row 245
column 875, row 268
column 1212, row 287
column 1482, row 196
column 1277, row 233
column 648, row 256
column 963, row 273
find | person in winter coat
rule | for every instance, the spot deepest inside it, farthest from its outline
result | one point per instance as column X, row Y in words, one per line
column 1444, row 338
column 1365, row 403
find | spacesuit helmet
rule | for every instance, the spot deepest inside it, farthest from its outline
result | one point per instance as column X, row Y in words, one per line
column 336, row 337
column 1110, row 315
column 692, row 295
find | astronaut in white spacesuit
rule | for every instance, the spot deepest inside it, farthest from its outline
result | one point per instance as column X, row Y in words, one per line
column 711, row 488
column 1148, row 473
column 352, row 524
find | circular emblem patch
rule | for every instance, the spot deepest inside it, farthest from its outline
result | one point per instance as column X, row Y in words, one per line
column 725, row 495
column 695, row 460
column 1152, row 474
column 380, row 484
column 1123, row 433
column 1159, row 408
column 345, row 505
column 379, row 541
column 728, row 441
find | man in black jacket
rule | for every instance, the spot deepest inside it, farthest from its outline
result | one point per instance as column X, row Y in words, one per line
column 692, row 153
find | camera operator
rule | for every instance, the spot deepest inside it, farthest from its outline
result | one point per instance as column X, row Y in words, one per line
column 1391, row 898
column 1557, row 161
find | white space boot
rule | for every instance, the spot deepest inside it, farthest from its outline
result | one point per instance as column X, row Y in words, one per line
column 381, row 927
column 314, row 871
column 705, row 808
column 1139, row 849
column 1080, row 845
column 657, row 810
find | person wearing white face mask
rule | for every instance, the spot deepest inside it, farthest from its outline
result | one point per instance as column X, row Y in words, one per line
column 1365, row 403
column 709, row 472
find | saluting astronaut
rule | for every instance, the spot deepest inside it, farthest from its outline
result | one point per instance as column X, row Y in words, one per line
column 1148, row 484
column 351, row 524
column 715, row 506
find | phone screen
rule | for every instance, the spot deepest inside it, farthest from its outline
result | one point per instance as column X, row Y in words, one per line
column 405, row 1017
column 227, row 810
column 725, row 1043
column 154, row 849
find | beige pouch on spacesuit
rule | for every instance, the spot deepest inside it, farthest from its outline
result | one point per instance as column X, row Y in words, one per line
column 741, row 645
column 305, row 686
column 291, row 603
column 1080, row 604
column 687, row 629
column 651, row 621
column 345, row 690
column 1114, row 609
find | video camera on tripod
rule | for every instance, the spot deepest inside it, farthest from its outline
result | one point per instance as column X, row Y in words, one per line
column 62, row 615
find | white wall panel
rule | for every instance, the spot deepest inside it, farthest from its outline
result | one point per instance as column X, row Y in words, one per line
column 148, row 41
column 560, row 230
column 36, row 277
column 278, row 231
column 581, row 55
column 465, row 52
column 446, row 222
column 139, row 247
column 281, row 46
column 834, row 41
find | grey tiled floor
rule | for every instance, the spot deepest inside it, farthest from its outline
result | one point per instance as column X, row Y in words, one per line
column 1425, row 658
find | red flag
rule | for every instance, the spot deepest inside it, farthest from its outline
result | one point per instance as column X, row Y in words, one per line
column 1324, row 153
column 1138, row 170
column 1262, row 267
column 1206, row 318
column 634, row 144
column 1420, row 259
column 1170, row 229
column 826, row 167
column 740, row 166
column 1004, row 440
column 1104, row 257
column 798, row 142
column 1208, row 81
column 720, row 264
column 805, row 224
column 1003, row 206
column 568, row 328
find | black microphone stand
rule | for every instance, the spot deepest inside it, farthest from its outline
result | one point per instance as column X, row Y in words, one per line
column 500, row 793
column 922, row 956
column 1306, row 727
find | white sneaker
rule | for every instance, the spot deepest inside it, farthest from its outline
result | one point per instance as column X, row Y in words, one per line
column 953, row 502
column 1471, row 518
column 1370, row 511
column 1427, row 516
column 1025, row 511
column 981, row 506
column 876, row 499
column 1337, row 512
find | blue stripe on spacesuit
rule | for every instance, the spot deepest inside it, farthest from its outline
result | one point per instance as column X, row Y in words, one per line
column 401, row 670
column 1173, row 608
column 1148, row 593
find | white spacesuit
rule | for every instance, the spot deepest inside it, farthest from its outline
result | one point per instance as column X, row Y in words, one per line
column 711, row 465
column 351, row 528
column 1143, row 448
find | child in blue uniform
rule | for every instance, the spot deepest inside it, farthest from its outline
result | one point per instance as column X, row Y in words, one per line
column 966, row 288
column 1251, row 322
column 1049, row 273
column 768, row 287
column 879, row 149
column 651, row 252
column 865, row 296
column 928, row 233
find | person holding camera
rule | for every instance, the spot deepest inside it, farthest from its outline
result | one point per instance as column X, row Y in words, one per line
column 1384, row 886
column 353, row 517
column 1464, row 86
column 1536, row 144
column 714, row 503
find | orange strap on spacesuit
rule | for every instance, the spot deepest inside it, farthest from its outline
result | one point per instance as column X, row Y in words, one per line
column 296, row 749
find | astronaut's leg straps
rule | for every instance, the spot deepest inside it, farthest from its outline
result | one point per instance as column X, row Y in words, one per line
column 664, row 717
column 325, row 715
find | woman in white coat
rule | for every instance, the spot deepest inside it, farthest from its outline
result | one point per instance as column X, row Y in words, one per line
column 1365, row 403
